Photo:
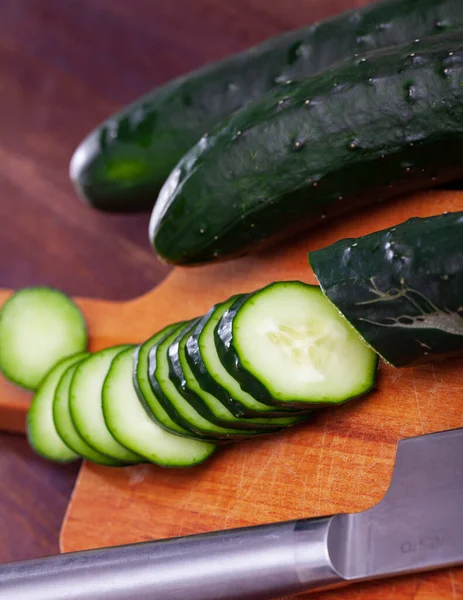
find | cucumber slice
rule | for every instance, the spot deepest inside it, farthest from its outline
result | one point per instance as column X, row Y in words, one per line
column 85, row 405
column 289, row 343
column 212, row 376
column 130, row 424
column 65, row 426
column 40, row 427
column 145, row 392
column 39, row 326
column 208, row 405
column 175, row 404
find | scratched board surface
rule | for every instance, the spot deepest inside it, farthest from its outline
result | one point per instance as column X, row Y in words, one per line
column 341, row 461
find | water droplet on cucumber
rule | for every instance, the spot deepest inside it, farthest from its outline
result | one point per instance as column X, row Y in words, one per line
column 441, row 24
column 283, row 103
column 411, row 92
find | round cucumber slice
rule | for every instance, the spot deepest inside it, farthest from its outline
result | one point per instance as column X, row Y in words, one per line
column 207, row 404
column 149, row 399
column 41, row 430
column 131, row 425
column 66, row 428
column 85, row 405
column 39, row 326
column 179, row 409
column 204, row 361
column 289, row 343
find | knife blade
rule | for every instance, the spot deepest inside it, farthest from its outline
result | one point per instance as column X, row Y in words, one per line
column 417, row 526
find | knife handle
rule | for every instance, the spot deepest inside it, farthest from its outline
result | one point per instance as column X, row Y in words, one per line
column 253, row 563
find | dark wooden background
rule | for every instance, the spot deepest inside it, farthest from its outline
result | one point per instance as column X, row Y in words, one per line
column 64, row 66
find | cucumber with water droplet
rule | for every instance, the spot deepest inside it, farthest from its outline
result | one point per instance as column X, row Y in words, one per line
column 401, row 287
column 122, row 164
column 366, row 130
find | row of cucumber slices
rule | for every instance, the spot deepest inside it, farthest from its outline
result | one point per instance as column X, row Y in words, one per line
column 253, row 365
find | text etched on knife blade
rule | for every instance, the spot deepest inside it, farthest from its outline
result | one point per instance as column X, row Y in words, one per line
column 430, row 541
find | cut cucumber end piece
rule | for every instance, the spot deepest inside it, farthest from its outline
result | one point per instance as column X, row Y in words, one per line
column 41, row 430
column 400, row 287
column 39, row 326
column 130, row 424
column 291, row 342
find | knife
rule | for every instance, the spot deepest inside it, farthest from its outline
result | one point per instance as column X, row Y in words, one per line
column 417, row 526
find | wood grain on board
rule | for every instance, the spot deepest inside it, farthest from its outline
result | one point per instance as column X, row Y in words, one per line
column 339, row 462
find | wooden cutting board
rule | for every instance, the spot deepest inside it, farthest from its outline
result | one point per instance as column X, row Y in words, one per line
column 339, row 462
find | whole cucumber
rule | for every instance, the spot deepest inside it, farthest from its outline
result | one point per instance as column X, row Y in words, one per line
column 401, row 288
column 363, row 131
column 123, row 163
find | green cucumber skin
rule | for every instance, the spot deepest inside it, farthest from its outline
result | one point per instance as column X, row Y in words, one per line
column 210, row 436
column 223, row 336
column 123, row 163
column 178, row 378
column 366, row 130
column 173, row 414
column 137, row 365
column 401, row 287
column 194, row 358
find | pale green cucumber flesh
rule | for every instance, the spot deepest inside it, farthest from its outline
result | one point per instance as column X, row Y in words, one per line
column 86, row 408
column 39, row 326
column 289, row 343
column 40, row 427
column 65, row 426
column 129, row 422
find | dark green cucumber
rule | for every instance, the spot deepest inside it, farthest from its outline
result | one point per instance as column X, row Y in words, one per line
column 207, row 405
column 206, row 366
column 181, row 411
column 364, row 131
column 287, row 343
column 401, row 288
column 122, row 164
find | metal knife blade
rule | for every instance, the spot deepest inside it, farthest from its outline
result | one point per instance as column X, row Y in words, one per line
column 417, row 526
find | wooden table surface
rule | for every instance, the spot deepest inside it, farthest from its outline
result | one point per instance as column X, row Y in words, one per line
column 64, row 66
